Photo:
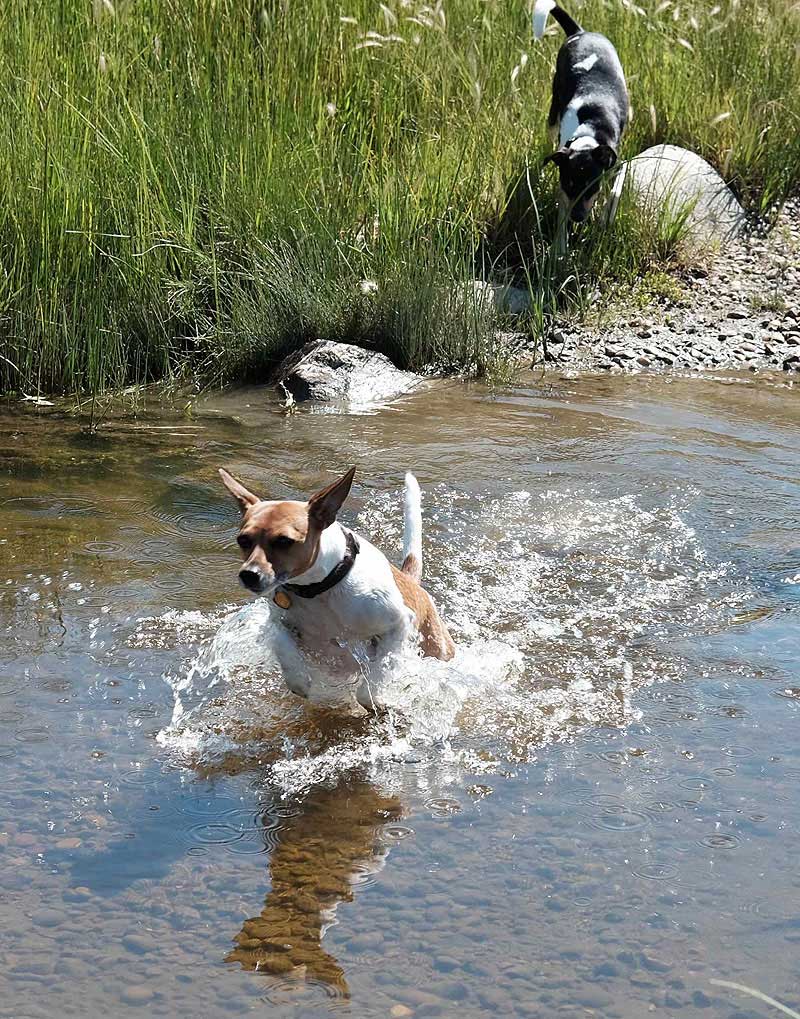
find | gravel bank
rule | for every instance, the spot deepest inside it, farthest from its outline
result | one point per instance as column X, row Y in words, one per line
column 742, row 310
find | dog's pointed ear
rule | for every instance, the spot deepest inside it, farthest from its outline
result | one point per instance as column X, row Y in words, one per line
column 324, row 505
column 559, row 157
column 238, row 491
column 605, row 156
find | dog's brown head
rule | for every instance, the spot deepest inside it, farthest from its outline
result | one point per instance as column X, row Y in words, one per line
column 280, row 540
column 580, row 172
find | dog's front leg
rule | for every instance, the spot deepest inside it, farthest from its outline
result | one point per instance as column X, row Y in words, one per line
column 293, row 665
column 387, row 648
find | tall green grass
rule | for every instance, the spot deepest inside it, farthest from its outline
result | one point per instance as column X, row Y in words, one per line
column 189, row 187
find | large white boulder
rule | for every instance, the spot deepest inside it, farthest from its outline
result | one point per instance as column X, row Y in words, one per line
column 674, row 182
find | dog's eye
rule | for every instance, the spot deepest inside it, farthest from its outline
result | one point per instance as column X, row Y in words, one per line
column 282, row 541
column 245, row 542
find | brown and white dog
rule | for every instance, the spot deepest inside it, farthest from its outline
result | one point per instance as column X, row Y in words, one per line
column 338, row 597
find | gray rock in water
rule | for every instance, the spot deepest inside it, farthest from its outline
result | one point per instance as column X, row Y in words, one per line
column 676, row 182
column 342, row 373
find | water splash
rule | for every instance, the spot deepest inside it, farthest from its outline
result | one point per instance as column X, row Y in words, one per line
column 562, row 605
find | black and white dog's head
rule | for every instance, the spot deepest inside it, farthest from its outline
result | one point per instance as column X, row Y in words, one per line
column 589, row 108
column 580, row 173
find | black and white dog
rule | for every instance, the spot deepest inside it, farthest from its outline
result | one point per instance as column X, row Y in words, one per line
column 589, row 108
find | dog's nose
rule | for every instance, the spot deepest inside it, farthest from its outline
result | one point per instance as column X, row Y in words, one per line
column 252, row 579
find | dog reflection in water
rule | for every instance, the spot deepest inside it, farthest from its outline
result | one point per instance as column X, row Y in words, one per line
column 321, row 852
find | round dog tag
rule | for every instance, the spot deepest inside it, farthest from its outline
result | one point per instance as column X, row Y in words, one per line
column 282, row 600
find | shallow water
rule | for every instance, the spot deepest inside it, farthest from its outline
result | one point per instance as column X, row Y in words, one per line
column 592, row 811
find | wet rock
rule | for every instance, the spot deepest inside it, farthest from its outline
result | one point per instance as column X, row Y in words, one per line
column 451, row 990
column 593, row 997
column 418, row 999
column 654, row 965
column 494, row 1000
column 674, row 182
column 605, row 970
column 34, row 967
column 791, row 363
column 48, row 918
column 137, row 994
column 342, row 373
column 365, row 943
column 139, row 943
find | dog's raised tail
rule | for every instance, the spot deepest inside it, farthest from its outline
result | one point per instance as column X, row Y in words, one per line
column 545, row 7
column 412, row 529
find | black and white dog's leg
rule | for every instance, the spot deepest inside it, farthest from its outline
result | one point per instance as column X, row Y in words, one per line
column 553, row 121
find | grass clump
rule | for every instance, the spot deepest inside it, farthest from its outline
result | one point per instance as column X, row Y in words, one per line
column 193, row 187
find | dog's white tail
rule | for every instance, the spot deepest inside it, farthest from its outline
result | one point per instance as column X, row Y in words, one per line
column 540, row 12
column 412, row 528
column 545, row 7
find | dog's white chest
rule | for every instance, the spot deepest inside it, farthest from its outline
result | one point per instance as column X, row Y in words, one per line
column 366, row 604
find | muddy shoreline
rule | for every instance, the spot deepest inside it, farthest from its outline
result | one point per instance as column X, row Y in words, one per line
column 741, row 310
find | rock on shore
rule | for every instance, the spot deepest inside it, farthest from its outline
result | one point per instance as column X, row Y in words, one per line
column 674, row 182
column 342, row 373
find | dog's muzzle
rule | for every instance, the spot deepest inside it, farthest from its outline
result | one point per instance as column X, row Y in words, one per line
column 257, row 581
column 579, row 212
column 253, row 578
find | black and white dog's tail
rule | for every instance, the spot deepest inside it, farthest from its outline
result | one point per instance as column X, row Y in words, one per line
column 545, row 7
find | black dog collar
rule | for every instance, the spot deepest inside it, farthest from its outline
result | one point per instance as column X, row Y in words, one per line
column 338, row 573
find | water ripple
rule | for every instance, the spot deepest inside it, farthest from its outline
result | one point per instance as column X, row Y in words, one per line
column 720, row 840
column 619, row 820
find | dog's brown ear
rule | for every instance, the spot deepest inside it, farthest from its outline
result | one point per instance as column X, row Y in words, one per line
column 559, row 157
column 239, row 492
column 323, row 507
column 605, row 156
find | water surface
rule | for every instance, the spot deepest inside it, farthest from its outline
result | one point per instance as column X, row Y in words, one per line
column 592, row 811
